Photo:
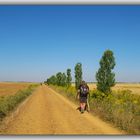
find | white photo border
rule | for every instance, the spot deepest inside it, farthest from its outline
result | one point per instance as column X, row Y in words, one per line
column 70, row 2
column 60, row 2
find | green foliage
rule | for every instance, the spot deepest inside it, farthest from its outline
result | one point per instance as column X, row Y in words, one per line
column 69, row 78
column 51, row 80
column 105, row 77
column 60, row 79
column 78, row 75
column 97, row 94
column 64, row 80
column 9, row 102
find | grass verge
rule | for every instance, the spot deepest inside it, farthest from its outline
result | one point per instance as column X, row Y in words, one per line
column 10, row 102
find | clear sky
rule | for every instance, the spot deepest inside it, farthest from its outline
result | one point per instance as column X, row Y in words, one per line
column 39, row 41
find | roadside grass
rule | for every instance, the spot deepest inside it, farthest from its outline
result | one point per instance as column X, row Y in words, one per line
column 70, row 92
column 121, row 108
column 9, row 102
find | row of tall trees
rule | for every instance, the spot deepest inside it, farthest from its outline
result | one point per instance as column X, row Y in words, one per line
column 104, row 76
column 60, row 79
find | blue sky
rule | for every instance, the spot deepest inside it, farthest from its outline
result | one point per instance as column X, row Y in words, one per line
column 39, row 41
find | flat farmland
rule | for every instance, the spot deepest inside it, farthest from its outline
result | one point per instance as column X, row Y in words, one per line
column 10, row 88
column 134, row 87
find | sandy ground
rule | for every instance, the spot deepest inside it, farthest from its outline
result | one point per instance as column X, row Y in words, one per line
column 47, row 112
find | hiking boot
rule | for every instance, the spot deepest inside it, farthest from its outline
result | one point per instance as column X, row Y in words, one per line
column 82, row 111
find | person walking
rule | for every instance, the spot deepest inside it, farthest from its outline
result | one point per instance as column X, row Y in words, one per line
column 83, row 95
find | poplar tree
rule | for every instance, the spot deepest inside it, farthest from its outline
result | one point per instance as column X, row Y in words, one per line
column 69, row 78
column 105, row 77
column 78, row 75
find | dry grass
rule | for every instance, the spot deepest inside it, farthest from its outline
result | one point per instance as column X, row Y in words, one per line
column 134, row 87
column 9, row 88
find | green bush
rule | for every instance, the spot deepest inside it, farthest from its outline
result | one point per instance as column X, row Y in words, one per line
column 9, row 102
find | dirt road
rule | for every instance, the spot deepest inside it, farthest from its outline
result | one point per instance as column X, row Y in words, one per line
column 47, row 112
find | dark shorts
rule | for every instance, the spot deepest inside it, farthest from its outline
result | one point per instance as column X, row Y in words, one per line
column 83, row 99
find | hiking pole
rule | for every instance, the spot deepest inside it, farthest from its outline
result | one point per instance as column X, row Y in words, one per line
column 88, row 103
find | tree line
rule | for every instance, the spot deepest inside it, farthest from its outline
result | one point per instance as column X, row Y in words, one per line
column 60, row 79
column 104, row 76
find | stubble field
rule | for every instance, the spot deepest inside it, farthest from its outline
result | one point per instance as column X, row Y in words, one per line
column 134, row 87
column 10, row 88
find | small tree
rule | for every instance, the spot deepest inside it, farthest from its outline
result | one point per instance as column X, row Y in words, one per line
column 59, row 78
column 78, row 75
column 105, row 77
column 64, row 79
column 51, row 80
column 69, row 78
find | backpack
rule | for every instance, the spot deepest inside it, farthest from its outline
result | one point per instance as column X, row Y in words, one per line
column 84, row 90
